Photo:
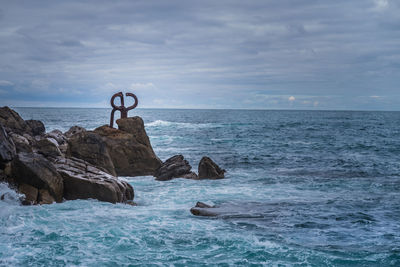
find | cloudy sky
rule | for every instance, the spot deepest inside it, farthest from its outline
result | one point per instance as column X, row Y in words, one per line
column 299, row 54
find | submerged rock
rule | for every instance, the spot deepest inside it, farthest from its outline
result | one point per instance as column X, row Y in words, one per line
column 175, row 167
column 202, row 209
column 82, row 181
column 208, row 169
column 35, row 170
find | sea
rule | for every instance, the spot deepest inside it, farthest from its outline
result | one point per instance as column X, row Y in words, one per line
column 302, row 188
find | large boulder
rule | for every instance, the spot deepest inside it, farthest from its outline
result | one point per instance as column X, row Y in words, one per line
column 22, row 143
column 83, row 181
column 37, row 127
column 58, row 136
column 74, row 130
column 7, row 147
column 35, row 170
column 208, row 169
column 89, row 146
column 130, row 150
column 11, row 120
column 175, row 167
column 48, row 147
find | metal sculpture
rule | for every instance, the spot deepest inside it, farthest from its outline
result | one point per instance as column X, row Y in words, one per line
column 122, row 108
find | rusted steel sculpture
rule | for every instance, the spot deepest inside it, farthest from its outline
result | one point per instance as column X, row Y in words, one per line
column 122, row 108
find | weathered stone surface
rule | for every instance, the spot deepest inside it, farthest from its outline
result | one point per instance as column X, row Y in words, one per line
column 37, row 127
column 44, row 197
column 35, row 170
column 89, row 146
column 131, row 153
column 175, row 167
column 74, row 130
column 7, row 147
column 58, row 136
column 48, row 147
column 208, row 169
column 30, row 192
column 22, row 144
column 11, row 120
column 82, row 181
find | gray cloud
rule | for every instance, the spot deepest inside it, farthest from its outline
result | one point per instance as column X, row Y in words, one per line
column 205, row 54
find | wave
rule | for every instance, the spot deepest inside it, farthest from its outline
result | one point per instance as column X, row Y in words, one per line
column 161, row 123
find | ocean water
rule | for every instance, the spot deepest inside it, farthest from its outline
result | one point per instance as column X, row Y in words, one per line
column 303, row 188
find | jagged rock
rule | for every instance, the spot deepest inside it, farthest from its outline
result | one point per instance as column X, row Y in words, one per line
column 130, row 152
column 30, row 192
column 35, row 170
column 202, row 209
column 175, row 167
column 208, row 169
column 89, row 146
column 74, row 130
column 58, row 136
column 44, row 197
column 37, row 127
column 48, row 147
column 11, row 120
column 82, row 181
column 22, row 144
column 7, row 147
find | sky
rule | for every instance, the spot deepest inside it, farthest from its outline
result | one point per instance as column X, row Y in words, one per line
column 299, row 54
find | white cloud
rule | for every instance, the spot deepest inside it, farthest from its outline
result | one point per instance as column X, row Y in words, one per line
column 381, row 4
column 5, row 83
column 292, row 98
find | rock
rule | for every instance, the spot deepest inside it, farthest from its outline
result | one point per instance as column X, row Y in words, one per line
column 48, row 147
column 74, row 130
column 130, row 152
column 11, row 120
column 7, row 147
column 202, row 209
column 45, row 197
column 33, row 169
column 37, row 127
column 175, row 167
column 208, row 169
column 83, row 180
column 30, row 192
column 89, row 146
column 22, row 144
column 58, row 136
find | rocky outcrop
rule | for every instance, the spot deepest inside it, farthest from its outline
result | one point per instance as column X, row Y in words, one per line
column 58, row 136
column 82, row 181
column 175, row 167
column 37, row 127
column 48, row 147
column 34, row 170
column 208, row 169
column 22, row 142
column 7, row 147
column 74, row 130
column 130, row 150
column 13, row 122
column 202, row 209
column 89, row 146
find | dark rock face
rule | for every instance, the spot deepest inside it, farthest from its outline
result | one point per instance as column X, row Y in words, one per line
column 131, row 153
column 58, row 136
column 90, row 147
column 175, row 167
column 22, row 143
column 7, row 147
column 33, row 169
column 208, row 169
column 74, row 130
column 11, row 120
column 83, row 181
column 30, row 192
column 48, row 147
column 36, row 126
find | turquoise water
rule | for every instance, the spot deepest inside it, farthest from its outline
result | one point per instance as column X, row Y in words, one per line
column 319, row 188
